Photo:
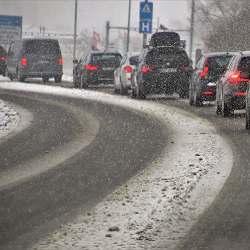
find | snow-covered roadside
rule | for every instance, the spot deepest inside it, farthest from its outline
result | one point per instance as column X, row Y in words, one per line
column 9, row 118
column 159, row 205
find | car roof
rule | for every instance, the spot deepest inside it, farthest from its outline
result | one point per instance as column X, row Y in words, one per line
column 245, row 53
column 223, row 53
column 39, row 39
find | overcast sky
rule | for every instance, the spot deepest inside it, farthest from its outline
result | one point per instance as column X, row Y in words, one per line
column 58, row 15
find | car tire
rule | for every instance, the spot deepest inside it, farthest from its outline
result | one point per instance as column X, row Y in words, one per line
column 83, row 83
column 247, row 118
column 45, row 79
column 218, row 108
column 19, row 77
column 139, row 94
column 133, row 93
column 225, row 111
column 123, row 91
column 58, row 79
column 191, row 99
column 9, row 75
column 197, row 101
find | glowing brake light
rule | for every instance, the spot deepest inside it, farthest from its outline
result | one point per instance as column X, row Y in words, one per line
column 128, row 69
column 145, row 69
column 3, row 58
column 60, row 61
column 90, row 67
column 204, row 72
column 235, row 78
column 24, row 61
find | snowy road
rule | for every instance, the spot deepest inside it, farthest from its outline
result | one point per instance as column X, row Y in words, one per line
column 91, row 188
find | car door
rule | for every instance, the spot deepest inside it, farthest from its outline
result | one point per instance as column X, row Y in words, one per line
column 121, row 73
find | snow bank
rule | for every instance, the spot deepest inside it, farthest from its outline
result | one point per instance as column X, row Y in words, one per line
column 9, row 118
column 158, row 206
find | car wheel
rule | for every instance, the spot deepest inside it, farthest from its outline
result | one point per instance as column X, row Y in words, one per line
column 58, row 79
column 9, row 75
column 197, row 101
column 225, row 111
column 83, row 83
column 123, row 91
column 19, row 77
column 247, row 118
column 133, row 93
column 45, row 79
column 218, row 108
column 139, row 93
column 191, row 98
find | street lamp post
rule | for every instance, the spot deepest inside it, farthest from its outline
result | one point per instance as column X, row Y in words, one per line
column 128, row 31
column 75, row 31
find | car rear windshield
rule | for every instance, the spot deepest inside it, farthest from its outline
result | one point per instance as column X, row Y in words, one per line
column 42, row 47
column 218, row 63
column 244, row 66
column 106, row 59
column 2, row 51
column 166, row 56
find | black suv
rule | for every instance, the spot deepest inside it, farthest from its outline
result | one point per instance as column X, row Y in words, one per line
column 95, row 68
column 232, row 87
column 3, row 58
column 32, row 58
column 162, row 69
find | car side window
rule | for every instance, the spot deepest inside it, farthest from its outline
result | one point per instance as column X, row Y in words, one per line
column 123, row 60
column 200, row 63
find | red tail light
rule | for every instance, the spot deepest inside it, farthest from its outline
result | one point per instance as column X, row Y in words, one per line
column 24, row 61
column 3, row 58
column 235, row 78
column 145, row 69
column 128, row 69
column 60, row 61
column 204, row 72
column 90, row 67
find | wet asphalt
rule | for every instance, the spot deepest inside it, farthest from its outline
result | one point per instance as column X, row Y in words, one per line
column 126, row 142
column 96, row 171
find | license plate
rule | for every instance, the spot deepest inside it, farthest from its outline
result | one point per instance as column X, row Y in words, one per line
column 108, row 68
column 168, row 70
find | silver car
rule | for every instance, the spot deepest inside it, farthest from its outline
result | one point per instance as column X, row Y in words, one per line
column 123, row 74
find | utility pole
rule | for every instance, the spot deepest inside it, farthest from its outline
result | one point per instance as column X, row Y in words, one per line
column 75, row 31
column 128, row 31
column 107, row 35
column 192, row 29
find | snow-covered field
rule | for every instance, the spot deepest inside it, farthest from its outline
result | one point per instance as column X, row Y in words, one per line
column 158, row 206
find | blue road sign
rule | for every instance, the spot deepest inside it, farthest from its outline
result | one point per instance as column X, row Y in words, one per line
column 146, row 16
column 15, row 21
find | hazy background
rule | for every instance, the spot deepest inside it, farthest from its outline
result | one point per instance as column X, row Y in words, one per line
column 58, row 15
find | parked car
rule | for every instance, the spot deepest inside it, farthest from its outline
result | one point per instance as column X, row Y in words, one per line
column 162, row 70
column 123, row 74
column 3, row 58
column 35, row 58
column 232, row 87
column 95, row 68
column 208, row 70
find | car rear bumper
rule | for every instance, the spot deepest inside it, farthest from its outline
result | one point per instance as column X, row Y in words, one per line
column 236, row 102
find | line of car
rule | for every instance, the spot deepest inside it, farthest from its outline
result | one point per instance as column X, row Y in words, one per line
column 163, row 67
